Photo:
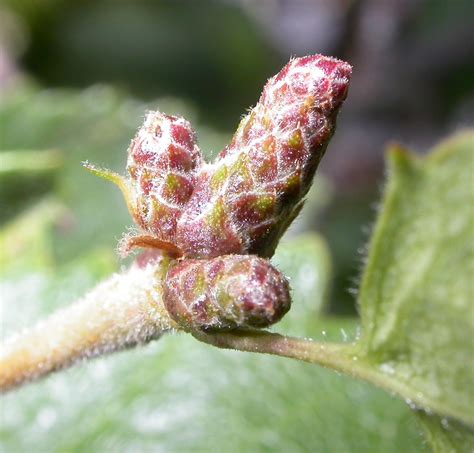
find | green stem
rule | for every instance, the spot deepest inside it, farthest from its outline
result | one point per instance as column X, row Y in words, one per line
column 125, row 310
column 335, row 356
column 344, row 358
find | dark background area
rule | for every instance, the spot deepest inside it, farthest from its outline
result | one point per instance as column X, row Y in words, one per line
column 413, row 76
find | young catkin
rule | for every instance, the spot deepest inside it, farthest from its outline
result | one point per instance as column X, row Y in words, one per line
column 227, row 292
column 243, row 202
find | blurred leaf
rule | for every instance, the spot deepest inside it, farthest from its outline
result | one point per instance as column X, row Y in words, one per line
column 25, row 243
column 203, row 52
column 446, row 435
column 306, row 262
column 92, row 124
column 177, row 394
column 316, row 201
column 26, row 161
column 25, row 177
column 416, row 293
column 96, row 124
column 344, row 224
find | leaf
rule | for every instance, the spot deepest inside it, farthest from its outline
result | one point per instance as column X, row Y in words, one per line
column 416, row 297
column 25, row 177
column 28, row 161
column 177, row 394
column 446, row 435
column 25, row 242
column 305, row 260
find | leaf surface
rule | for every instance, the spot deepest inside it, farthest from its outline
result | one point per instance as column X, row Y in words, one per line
column 446, row 435
column 416, row 297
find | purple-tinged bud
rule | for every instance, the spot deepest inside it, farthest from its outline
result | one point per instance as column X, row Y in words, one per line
column 245, row 200
column 227, row 292
column 163, row 159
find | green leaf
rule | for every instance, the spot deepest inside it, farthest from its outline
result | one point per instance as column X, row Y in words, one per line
column 25, row 177
column 25, row 242
column 29, row 161
column 305, row 260
column 416, row 297
column 446, row 435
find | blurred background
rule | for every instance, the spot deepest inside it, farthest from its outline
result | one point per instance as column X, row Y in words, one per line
column 75, row 80
column 413, row 79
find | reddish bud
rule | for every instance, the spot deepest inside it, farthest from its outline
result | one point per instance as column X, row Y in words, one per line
column 245, row 200
column 162, row 162
column 227, row 292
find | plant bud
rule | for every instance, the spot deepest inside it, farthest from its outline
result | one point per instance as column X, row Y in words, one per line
column 162, row 162
column 226, row 292
column 245, row 200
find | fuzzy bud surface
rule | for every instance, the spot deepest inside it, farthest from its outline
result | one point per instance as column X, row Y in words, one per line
column 244, row 201
column 163, row 159
column 227, row 292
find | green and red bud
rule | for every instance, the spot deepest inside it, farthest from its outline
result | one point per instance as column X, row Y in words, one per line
column 227, row 292
column 244, row 201
column 163, row 159
column 217, row 216
column 162, row 165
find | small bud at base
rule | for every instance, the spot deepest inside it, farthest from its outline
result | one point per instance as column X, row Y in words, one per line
column 227, row 292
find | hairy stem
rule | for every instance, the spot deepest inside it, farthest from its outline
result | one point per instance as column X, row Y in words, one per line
column 336, row 356
column 344, row 358
column 123, row 311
